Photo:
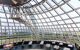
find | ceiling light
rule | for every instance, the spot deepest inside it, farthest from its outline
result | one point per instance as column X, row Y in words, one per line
column 14, row 1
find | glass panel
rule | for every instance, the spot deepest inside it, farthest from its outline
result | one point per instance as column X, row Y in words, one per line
column 64, row 16
column 73, row 14
column 68, row 21
column 52, row 19
column 74, row 3
column 76, row 20
column 59, row 11
column 58, row 18
column 61, row 22
column 66, row 8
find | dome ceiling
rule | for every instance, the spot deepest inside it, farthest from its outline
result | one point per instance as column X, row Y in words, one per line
column 60, row 17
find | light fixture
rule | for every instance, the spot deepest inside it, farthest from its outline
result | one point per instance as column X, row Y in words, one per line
column 14, row 1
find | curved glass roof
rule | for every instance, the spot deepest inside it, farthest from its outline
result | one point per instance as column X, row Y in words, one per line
column 46, row 19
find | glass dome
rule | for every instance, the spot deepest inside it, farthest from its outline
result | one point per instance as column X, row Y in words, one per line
column 41, row 20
